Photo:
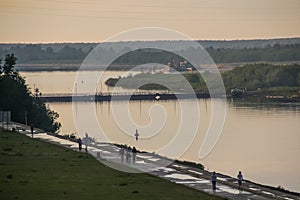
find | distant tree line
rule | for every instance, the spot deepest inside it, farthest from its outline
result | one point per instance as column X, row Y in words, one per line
column 254, row 76
column 262, row 76
column 34, row 53
column 17, row 98
column 275, row 53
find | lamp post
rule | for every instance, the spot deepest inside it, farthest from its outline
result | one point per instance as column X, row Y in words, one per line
column 86, row 142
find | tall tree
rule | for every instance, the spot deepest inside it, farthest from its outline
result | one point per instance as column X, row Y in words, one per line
column 16, row 97
column 10, row 62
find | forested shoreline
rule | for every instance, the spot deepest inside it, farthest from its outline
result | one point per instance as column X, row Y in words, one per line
column 220, row 51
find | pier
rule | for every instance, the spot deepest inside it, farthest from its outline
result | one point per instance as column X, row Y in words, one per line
column 120, row 97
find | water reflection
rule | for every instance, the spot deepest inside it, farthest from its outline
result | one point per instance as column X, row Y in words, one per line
column 262, row 104
column 60, row 82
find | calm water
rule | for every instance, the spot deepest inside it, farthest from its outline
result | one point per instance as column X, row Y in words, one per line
column 261, row 140
column 57, row 82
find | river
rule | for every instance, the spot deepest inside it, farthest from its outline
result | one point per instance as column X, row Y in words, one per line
column 261, row 140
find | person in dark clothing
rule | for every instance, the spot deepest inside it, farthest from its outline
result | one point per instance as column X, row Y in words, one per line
column 214, row 181
column 79, row 144
column 240, row 180
column 31, row 129
column 134, row 151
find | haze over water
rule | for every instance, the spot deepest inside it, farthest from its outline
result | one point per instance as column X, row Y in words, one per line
column 262, row 140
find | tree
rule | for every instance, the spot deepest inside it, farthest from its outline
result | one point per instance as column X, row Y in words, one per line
column 16, row 97
column 10, row 62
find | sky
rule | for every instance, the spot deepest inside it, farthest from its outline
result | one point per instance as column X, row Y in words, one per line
column 44, row 21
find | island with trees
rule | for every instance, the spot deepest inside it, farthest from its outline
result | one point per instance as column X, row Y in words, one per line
column 282, row 81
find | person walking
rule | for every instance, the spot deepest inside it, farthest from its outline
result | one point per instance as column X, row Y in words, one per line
column 214, row 181
column 121, row 151
column 79, row 144
column 240, row 180
column 128, row 156
column 134, row 151
column 31, row 129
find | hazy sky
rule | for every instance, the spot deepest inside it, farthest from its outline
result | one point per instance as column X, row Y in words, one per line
column 96, row 20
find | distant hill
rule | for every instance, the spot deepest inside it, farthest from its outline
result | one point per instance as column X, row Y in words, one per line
column 70, row 55
column 227, row 44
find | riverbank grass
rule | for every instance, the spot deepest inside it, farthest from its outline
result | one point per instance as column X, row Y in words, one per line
column 33, row 169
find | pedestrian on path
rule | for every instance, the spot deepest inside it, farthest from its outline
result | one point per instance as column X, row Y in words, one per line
column 214, row 181
column 121, row 151
column 87, row 140
column 79, row 144
column 31, row 129
column 128, row 156
column 240, row 180
column 134, row 151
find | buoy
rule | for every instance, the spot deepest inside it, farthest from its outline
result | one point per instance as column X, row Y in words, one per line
column 136, row 135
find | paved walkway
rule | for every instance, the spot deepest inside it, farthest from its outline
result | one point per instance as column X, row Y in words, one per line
column 162, row 167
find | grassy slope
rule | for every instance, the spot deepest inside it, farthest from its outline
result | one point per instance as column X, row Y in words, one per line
column 31, row 169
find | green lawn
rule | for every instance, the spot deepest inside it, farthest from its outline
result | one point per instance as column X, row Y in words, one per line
column 32, row 169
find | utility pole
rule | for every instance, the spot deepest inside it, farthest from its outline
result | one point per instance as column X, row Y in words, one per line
column 86, row 142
